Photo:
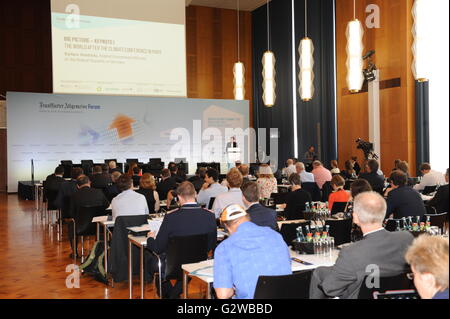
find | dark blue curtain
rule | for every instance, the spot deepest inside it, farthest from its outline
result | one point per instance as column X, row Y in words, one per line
column 422, row 124
column 316, row 119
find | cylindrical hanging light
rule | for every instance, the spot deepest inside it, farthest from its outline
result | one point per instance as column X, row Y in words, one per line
column 269, row 84
column 238, row 68
column 306, row 64
column 421, row 33
column 355, row 47
column 268, row 73
column 239, row 81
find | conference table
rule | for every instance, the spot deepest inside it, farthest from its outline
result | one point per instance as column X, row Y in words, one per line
column 204, row 270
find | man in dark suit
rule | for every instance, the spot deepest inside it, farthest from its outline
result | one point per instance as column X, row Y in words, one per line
column 199, row 179
column 379, row 253
column 403, row 201
column 53, row 182
column 85, row 196
column 375, row 180
column 99, row 179
column 188, row 220
column 67, row 189
column 259, row 215
column 296, row 199
column 440, row 201
column 167, row 184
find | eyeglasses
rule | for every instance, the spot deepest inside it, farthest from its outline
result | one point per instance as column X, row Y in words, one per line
column 410, row 276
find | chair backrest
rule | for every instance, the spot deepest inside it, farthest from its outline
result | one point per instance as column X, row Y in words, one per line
column 391, row 224
column 289, row 231
column 295, row 286
column 313, row 190
column 211, row 202
column 338, row 207
column 326, row 191
column 279, row 198
column 429, row 189
column 83, row 219
column 437, row 219
column 185, row 250
column 341, row 230
column 109, row 160
column 348, row 184
column 430, row 210
column 399, row 282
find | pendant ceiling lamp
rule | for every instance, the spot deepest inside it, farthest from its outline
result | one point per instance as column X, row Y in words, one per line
column 306, row 64
column 238, row 68
column 268, row 62
column 355, row 47
column 421, row 33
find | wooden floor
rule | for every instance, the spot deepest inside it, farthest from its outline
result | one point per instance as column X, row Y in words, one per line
column 33, row 262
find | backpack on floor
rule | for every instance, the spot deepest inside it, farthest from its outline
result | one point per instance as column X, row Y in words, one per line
column 94, row 264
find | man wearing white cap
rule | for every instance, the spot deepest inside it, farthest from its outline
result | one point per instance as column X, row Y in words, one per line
column 250, row 251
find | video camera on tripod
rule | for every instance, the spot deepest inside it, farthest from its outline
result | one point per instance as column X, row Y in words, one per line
column 367, row 148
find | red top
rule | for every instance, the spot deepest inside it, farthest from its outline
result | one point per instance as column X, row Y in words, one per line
column 339, row 196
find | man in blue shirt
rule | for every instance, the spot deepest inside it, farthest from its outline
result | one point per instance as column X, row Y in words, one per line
column 250, row 251
column 211, row 187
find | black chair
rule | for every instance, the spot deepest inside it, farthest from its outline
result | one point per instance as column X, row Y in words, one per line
column 109, row 160
column 429, row 189
column 289, row 231
column 391, row 224
column 87, row 166
column 437, row 219
column 338, row 207
column 430, row 210
column 279, row 198
column 211, row 203
column 313, row 190
column 341, row 230
column 399, row 282
column 67, row 165
column 295, row 286
column 326, row 191
column 83, row 225
column 348, row 184
column 182, row 250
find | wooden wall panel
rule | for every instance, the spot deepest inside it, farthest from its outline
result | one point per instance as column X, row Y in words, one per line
column 392, row 42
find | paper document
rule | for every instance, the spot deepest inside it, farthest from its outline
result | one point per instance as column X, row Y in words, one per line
column 100, row 219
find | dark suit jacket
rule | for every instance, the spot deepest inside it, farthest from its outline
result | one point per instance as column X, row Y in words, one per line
column 263, row 216
column 100, row 180
column 375, row 180
column 64, row 195
column 165, row 186
column 382, row 248
column 112, row 191
column 295, row 204
column 197, row 182
column 185, row 221
column 404, row 202
column 87, row 196
column 440, row 200
column 54, row 182
column 148, row 193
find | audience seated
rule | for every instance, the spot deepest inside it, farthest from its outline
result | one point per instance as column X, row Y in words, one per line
column 267, row 183
column 429, row 177
column 403, row 201
column 128, row 202
column 355, row 164
column 244, row 169
column 136, row 177
column 260, row 215
column 188, row 220
column 250, row 251
column 113, row 167
column 440, row 201
column 384, row 249
column 198, row 179
column 84, row 196
column 428, row 257
column 65, row 192
column 166, row 185
column 339, row 194
column 321, row 174
column 53, row 182
column 211, row 187
column 147, row 187
column 349, row 172
column 334, row 168
column 404, row 167
column 234, row 194
column 296, row 199
column 175, row 173
column 99, row 179
column 305, row 177
column 289, row 169
column 112, row 190
column 375, row 180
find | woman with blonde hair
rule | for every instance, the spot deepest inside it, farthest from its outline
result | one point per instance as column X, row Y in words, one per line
column 428, row 257
column 267, row 183
column 147, row 187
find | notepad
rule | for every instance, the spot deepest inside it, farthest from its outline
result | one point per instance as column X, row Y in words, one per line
column 205, row 271
column 100, row 219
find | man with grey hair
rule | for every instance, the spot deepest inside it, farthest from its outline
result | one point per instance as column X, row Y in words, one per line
column 305, row 177
column 379, row 254
column 289, row 169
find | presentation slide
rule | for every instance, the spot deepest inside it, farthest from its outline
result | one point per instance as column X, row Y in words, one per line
column 116, row 47
column 49, row 128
